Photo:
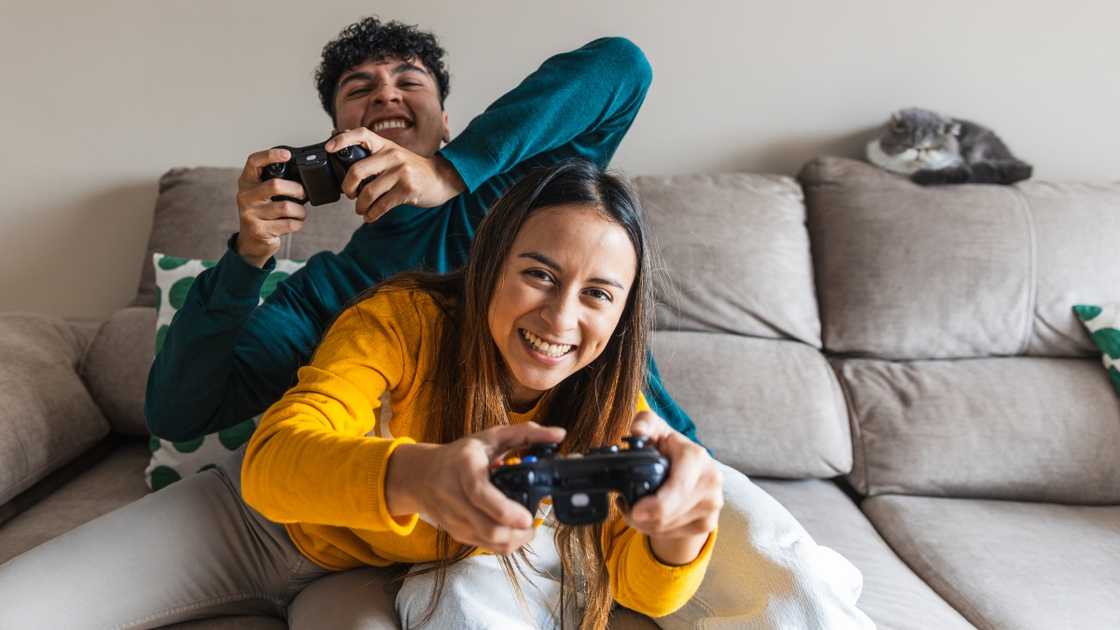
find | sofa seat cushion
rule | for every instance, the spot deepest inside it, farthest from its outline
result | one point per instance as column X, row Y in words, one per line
column 913, row 272
column 113, row 482
column 1007, row 564
column 47, row 416
column 763, row 406
column 893, row 596
column 1019, row 428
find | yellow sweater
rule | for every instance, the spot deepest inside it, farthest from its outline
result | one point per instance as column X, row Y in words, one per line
column 317, row 464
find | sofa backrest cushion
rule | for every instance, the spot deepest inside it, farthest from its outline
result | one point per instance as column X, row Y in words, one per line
column 912, row 272
column 47, row 417
column 737, row 327
column 1018, row 428
column 735, row 255
column 196, row 212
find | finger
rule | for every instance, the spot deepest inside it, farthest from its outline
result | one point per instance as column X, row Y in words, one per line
column 500, row 508
column 648, row 424
column 376, row 188
column 395, row 197
column 678, row 492
column 262, row 193
column 361, row 136
column 279, row 210
column 256, row 162
column 485, row 531
column 372, row 166
column 498, row 440
column 280, row 227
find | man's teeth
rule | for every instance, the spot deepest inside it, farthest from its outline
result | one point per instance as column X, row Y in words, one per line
column 540, row 345
column 395, row 123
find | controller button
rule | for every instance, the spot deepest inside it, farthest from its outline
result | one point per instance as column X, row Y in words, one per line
column 529, row 459
column 512, row 461
column 580, row 499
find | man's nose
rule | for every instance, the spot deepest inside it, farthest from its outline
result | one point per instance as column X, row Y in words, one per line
column 387, row 93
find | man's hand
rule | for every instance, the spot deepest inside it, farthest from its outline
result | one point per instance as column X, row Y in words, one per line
column 262, row 220
column 682, row 513
column 450, row 485
column 399, row 176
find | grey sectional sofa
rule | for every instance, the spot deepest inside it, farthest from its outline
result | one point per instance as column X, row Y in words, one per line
column 899, row 366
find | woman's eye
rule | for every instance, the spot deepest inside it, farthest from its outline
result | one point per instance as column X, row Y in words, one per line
column 539, row 275
column 600, row 294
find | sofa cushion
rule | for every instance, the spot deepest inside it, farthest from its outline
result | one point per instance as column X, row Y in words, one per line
column 912, row 272
column 893, row 596
column 1005, row 564
column 171, row 461
column 734, row 253
column 1010, row 428
column 47, row 417
column 764, row 407
column 1103, row 325
column 196, row 212
column 116, row 367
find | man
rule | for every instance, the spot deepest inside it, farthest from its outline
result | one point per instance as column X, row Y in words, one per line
column 383, row 85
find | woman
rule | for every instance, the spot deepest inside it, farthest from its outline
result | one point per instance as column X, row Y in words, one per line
column 547, row 325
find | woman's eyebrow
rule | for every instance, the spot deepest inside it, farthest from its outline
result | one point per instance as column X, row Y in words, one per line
column 548, row 262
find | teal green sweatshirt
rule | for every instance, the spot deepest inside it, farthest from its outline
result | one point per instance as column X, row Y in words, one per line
column 225, row 359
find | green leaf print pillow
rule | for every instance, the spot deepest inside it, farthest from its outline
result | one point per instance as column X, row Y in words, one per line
column 1103, row 324
column 171, row 461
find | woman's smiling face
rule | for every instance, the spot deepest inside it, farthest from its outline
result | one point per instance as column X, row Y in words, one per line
column 560, row 294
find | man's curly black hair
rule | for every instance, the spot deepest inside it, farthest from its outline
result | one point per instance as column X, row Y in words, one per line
column 374, row 40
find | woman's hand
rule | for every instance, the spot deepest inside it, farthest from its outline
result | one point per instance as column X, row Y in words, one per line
column 682, row 513
column 450, row 485
column 399, row 176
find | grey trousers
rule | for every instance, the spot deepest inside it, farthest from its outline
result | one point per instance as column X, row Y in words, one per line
column 195, row 550
column 192, row 550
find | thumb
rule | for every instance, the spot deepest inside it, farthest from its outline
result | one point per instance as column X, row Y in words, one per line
column 506, row 438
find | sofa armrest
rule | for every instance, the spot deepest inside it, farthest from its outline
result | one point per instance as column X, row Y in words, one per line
column 47, row 416
column 116, row 367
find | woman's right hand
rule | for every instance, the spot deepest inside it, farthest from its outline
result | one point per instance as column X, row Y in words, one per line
column 262, row 220
column 450, row 484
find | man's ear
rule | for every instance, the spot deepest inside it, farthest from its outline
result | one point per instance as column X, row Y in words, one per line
column 446, row 128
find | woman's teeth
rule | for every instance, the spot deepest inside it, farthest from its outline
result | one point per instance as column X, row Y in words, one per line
column 553, row 350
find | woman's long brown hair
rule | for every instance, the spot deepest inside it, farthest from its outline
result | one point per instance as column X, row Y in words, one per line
column 469, row 388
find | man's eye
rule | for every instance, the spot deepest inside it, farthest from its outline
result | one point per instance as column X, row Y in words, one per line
column 410, row 84
column 358, row 92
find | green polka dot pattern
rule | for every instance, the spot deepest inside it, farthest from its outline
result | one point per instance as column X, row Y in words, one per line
column 172, row 461
column 1103, row 324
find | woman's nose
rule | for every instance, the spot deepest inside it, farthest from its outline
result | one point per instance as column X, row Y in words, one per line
column 562, row 312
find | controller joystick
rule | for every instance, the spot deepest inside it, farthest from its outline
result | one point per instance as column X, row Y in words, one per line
column 635, row 442
column 319, row 172
column 580, row 485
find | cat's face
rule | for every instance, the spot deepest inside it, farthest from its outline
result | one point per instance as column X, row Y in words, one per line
column 919, row 135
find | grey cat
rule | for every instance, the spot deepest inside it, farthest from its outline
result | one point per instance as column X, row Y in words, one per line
column 936, row 149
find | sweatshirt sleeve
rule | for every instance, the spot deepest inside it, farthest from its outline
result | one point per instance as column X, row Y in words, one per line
column 643, row 583
column 310, row 460
column 639, row 580
column 577, row 104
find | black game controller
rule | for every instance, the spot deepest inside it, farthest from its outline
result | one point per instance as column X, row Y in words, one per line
column 579, row 484
column 321, row 173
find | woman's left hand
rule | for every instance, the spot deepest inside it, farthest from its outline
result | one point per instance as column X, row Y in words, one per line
column 682, row 513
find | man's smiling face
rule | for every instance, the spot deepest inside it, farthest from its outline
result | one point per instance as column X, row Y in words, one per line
column 397, row 99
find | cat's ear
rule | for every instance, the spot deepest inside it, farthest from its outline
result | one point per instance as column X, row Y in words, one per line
column 895, row 118
column 955, row 129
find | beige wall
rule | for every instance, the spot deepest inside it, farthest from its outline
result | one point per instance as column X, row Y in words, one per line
column 100, row 98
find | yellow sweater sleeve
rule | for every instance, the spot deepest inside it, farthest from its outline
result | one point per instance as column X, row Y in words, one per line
column 310, row 460
column 639, row 580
